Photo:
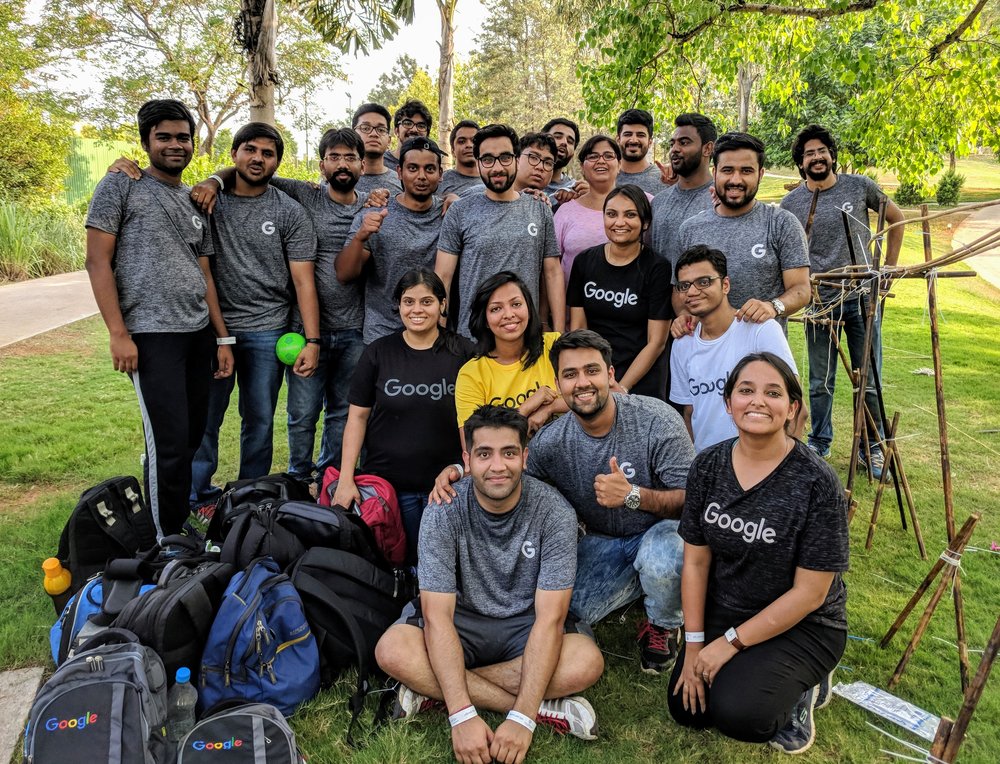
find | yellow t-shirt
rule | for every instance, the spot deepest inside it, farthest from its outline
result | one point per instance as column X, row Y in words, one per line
column 483, row 380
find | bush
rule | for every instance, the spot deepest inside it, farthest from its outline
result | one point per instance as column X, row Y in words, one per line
column 909, row 194
column 38, row 242
column 949, row 189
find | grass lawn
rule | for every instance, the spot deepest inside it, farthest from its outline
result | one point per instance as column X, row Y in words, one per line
column 68, row 421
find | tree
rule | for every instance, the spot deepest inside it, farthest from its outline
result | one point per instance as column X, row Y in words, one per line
column 392, row 84
column 446, row 70
column 926, row 85
column 180, row 48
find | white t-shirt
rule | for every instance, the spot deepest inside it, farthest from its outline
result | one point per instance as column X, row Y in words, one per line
column 699, row 369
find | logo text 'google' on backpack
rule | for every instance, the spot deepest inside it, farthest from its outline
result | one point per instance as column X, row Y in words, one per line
column 254, row 733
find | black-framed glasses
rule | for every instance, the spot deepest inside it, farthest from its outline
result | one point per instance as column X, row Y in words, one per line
column 409, row 124
column 607, row 156
column 488, row 160
column 535, row 159
column 702, row 283
column 368, row 129
column 349, row 158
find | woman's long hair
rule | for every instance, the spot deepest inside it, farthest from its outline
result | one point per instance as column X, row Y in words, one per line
column 486, row 342
column 446, row 339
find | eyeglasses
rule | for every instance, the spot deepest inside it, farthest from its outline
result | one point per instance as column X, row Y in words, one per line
column 702, row 283
column 534, row 160
column 368, row 129
column 488, row 160
column 409, row 124
column 349, row 158
column 607, row 156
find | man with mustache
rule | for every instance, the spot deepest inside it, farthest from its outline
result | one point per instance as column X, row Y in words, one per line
column 464, row 176
column 691, row 148
column 411, row 120
column 566, row 134
column 500, row 230
column 815, row 154
column 765, row 247
column 635, row 136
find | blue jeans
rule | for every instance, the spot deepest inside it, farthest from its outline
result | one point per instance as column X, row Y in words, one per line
column 329, row 386
column 823, row 363
column 611, row 572
column 411, row 507
column 258, row 375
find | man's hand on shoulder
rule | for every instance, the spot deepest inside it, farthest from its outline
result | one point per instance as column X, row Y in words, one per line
column 510, row 743
column 126, row 166
column 471, row 741
column 205, row 194
column 378, row 197
column 756, row 311
column 683, row 325
column 443, row 493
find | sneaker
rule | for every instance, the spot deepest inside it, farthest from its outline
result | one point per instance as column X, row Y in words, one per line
column 821, row 451
column 657, row 647
column 825, row 693
column 800, row 732
column 877, row 462
column 409, row 703
column 571, row 715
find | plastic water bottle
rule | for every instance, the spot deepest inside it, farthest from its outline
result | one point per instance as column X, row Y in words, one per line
column 57, row 582
column 181, row 700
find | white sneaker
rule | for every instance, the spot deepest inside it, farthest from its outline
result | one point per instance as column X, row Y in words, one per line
column 409, row 703
column 570, row 715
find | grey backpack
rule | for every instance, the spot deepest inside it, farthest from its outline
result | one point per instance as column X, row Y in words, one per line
column 244, row 733
column 106, row 704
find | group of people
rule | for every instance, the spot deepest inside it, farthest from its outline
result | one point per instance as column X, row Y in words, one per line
column 577, row 409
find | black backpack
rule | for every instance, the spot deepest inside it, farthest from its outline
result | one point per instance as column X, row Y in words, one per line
column 110, row 521
column 108, row 703
column 350, row 603
column 176, row 617
column 253, row 491
column 284, row 530
column 240, row 733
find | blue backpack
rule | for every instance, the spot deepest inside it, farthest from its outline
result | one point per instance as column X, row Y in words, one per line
column 260, row 647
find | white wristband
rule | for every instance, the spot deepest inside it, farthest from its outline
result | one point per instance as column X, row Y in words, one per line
column 524, row 721
column 694, row 636
column 461, row 469
column 218, row 180
column 225, row 340
column 462, row 715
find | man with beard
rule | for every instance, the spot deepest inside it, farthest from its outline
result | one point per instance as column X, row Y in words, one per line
column 691, row 148
column 635, row 136
column 566, row 134
column 815, row 154
column 500, row 230
column 384, row 243
column 464, row 178
column 148, row 251
column 371, row 122
column 765, row 247
column 411, row 120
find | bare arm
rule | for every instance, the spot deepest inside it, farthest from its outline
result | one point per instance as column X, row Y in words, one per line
column 795, row 297
column 577, row 319
column 555, row 289
column 224, row 353
column 304, row 277
column 688, row 411
column 352, row 258
column 444, row 267
column 694, row 588
column 100, row 253
column 354, row 438
column 611, row 490
column 895, row 236
column 656, row 341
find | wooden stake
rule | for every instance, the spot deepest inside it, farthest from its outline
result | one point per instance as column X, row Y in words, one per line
column 972, row 696
column 890, row 450
column 941, row 737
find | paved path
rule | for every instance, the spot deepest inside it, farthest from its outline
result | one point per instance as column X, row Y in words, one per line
column 17, row 691
column 979, row 223
column 31, row 307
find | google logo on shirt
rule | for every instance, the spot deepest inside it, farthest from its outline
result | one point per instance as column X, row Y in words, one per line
column 220, row 745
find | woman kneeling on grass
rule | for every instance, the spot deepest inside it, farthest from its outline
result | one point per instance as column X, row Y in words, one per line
column 765, row 541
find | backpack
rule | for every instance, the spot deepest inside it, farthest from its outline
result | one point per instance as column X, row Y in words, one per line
column 379, row 509
column 108, row 703
column 110, row 520
column 260, row 647
column 175, row 617
column 284, row 530
column 253, row 491
column 350, row 603
column 252, row 733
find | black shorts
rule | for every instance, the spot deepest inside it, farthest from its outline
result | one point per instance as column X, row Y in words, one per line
column 487, row 641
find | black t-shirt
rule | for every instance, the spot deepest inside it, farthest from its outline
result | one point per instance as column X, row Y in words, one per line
column 411, row 433
column 618, row 300
column 795, row 518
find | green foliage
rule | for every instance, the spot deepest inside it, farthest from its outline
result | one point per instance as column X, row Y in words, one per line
column 37, row 242
column 910, row 193
column 949, row 189
column 392, row 84
column 358, row 26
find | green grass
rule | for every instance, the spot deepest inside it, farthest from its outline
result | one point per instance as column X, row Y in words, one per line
column 38, row 242
column 70, row 421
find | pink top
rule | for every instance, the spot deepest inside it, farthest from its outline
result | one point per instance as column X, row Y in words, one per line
column 577, row 228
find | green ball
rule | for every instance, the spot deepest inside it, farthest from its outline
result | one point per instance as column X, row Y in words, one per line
column 288, row 347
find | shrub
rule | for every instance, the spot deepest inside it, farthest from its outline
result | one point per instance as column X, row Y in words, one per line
column 38, row 242
column 909, row 194
column 949, row 189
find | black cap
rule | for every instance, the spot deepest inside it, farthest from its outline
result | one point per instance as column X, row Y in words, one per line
column 419, row 144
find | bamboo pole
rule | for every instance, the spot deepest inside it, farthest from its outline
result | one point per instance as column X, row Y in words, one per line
column 972, row 696
column 890, row 450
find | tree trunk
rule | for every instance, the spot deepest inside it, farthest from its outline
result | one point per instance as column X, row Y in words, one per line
column 261, row 68
column 446, row 71
column 745, row 80
column 952, row 161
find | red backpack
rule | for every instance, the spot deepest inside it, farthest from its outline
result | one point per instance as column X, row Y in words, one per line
column 379, row 509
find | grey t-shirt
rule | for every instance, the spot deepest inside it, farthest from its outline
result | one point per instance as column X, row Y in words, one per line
column 759, row 245
column 406, row 240
column 490, row 236
column 453, row 182
column 648, row 180
column 160, row 235
column 254, row 238
column 649, row 440
column 565, row 182
column 672, row 207
column 390, row 160
column 388, row 180
column 494, row 563
column 341, row 306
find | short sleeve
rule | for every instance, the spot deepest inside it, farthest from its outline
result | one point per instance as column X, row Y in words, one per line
column 574, row 291
column 206, row 248
column 823, row 544
column 450, row 239
column 550, row 247
column 793, row 249
column 437, row 551
column 470, row 391
column 873, row 194
column 678, row 373
column 365, row 378
column 689, row 528
column 299, row 237
column 657, row 285
column 674, row 450
column 771, row 338
column 299, row 190
column 107, row 206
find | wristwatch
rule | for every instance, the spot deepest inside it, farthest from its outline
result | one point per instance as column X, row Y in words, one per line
column 779, row 307
column 632, row 500
column 734, row 639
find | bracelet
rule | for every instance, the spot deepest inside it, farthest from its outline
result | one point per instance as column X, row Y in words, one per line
column 462, row 715
column 526, row 722
column 313, row 341
column 218, row 180
column 624, row 388
column 225, row 340
column 694, row 637
column 461, row 469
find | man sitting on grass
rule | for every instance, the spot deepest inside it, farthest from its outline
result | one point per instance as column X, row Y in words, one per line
column 490, row 628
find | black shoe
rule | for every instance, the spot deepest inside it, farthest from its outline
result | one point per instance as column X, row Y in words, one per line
column 657, row 647
column 800, row 732
column 825, row 694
